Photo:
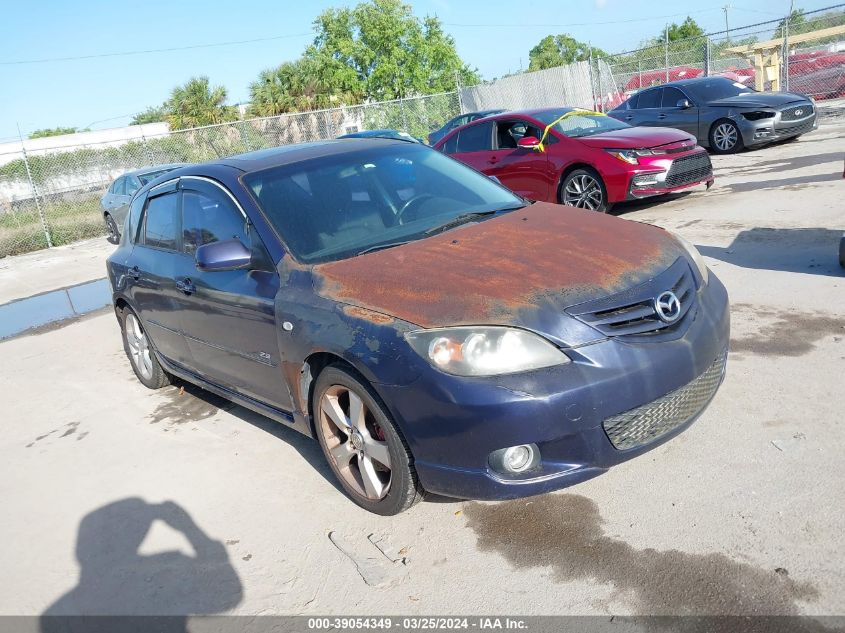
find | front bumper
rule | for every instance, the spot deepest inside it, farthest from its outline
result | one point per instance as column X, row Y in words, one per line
column 666, row 175
column 452, row 424
column 755, row 133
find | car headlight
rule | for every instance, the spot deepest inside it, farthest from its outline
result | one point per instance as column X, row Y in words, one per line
column 692, row 251
column 484, row 350
column 625, row 155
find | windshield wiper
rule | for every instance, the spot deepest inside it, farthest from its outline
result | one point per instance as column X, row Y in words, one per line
column 465, row 218
column 378, row 247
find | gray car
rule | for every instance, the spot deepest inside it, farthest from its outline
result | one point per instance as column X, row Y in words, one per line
column 115, row 201
column 724, row 115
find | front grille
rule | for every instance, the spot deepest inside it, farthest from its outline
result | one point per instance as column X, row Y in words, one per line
column 796, row 113
column 688, row 169
column 645, row 424
column 632, row 312
column 794, row 130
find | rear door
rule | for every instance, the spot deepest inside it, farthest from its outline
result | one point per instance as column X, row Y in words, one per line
column 524, row 171
column 228, row 316
column 671, row 115
column 648, row 108
column 152, row 271
column 474, row 146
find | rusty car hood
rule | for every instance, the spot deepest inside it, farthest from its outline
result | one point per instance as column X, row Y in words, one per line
column 521, row 269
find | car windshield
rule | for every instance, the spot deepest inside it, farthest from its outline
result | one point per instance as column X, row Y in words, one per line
column 576, row 124
column 717, row 88
column 339, row 206
column 150, row 176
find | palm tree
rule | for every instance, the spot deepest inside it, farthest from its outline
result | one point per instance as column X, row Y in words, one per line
column 196, row 104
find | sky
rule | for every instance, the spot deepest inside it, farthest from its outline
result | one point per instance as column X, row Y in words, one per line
column 108, row 86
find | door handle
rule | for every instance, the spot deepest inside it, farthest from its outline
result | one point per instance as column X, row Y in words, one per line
column 629, row 117
column 661, row 116
column 186, row 286
column 135, row 273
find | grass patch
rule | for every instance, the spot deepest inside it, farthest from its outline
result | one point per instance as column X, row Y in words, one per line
column 67, row 220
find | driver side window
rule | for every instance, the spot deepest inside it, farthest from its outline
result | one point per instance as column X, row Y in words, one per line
column 209, row 217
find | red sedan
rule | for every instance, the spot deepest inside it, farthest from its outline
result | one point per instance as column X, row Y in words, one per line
column 580, row 158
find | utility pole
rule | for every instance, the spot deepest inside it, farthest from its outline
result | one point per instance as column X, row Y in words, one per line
column 727, row 28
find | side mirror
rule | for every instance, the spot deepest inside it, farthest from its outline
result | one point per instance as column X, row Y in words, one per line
column 225, row 255
column 683, row 104
column 528, row 142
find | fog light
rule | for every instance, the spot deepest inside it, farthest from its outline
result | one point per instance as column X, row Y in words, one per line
column 644, row 180
column 517, row 458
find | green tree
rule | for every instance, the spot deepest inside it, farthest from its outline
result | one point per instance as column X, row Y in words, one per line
column 379, row 50
column 686, row 30
column 197, row 103
column 150, row 115
column 54, row 131
column 557, row 50
column 292, row 87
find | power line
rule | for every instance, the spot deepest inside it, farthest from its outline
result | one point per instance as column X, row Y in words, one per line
column 152, row 50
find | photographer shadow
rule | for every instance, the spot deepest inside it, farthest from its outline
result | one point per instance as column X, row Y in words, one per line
column 116, row 580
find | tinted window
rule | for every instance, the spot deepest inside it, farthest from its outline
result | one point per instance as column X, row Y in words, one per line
column 146, row 178
column 717, row 88
column 476, row 138
column 161, row 221
column 132, row 185
column 508, row 133
column 671, row 96
column 650, row 99
column 631, row 104
column 459, row 121
column 135, row 217
column 340, row 205
column 451, row 145
column 117, row 186
column 208, row 217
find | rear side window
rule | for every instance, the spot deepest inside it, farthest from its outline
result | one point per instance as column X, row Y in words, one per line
column 451, row 145
column 135, row 217
column 117, row 187
column 161, row 222
column 132, row 185
column 208, row 217
column 476, row 138
column 650, row 99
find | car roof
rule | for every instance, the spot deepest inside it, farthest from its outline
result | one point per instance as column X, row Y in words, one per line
column 687, row 82
column 154, row 168
column 288, row 154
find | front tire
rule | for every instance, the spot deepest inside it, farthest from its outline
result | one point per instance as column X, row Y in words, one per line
column 139, row 350
column 362, row 444
column 584, row 188
column 725, row 137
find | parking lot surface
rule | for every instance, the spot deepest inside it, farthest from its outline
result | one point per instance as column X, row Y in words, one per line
column 122, row 500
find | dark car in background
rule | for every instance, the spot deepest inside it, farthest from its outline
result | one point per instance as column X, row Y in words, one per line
column 586, row 159
column 384, row 133
column 723, row 115
column 115, row 202
column 458, row 121
column 433, row 331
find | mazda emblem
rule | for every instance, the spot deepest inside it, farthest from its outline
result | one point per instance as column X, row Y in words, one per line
column 667, row 306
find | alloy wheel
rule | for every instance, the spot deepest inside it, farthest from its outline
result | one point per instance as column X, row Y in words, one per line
column 111, row 226
column 356, row 442
column 725, row 136
column 139, row 347
column 583, row 191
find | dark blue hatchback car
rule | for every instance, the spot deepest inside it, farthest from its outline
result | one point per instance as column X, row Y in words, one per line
column 431, row 329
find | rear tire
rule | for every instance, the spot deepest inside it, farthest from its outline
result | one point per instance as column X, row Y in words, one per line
column 363, row 446
column 139, row 349
column 111, row 226
column 725, row 137
column 583, row 188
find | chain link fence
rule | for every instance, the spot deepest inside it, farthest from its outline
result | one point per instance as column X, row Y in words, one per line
column 803, row 52
column 51, row 196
